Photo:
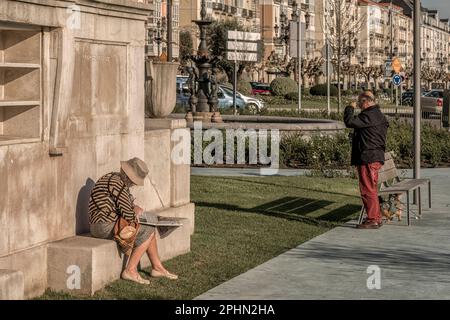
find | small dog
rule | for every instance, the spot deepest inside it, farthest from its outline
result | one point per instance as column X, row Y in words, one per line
column 392, row 207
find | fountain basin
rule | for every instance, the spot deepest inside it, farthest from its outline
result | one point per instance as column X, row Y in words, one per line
column 286, row 125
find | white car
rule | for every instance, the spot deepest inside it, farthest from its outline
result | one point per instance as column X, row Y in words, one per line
column 253, row 104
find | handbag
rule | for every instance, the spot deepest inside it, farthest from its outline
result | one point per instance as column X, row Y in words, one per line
column 125, row 234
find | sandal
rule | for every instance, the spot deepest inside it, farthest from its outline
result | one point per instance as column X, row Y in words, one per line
column 138, row 279
column 167, row 274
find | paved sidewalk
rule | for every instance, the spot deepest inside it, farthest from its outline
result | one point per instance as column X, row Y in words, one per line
column 414, row 261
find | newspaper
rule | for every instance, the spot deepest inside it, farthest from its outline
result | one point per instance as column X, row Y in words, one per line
column 165, row 225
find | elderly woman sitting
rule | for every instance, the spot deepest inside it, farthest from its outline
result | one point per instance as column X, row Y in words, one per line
column 111, row 199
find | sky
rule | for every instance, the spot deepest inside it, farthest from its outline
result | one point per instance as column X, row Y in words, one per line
column 443, row 6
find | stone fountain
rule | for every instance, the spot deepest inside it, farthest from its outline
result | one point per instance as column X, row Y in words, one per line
column 202, row 78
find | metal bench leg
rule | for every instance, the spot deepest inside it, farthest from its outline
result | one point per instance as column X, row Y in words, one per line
column 407, row 208
column 420, row 204
column 429, row 194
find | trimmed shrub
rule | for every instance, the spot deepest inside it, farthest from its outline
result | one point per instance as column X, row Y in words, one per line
column 244, row 87
column 293, row 96
column 282, row 86
column 347, row 92
column 321, row 152
column 321, row 90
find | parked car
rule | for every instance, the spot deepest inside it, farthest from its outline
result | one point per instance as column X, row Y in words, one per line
column 260, row 88
column 433, row 101
column 182, row 83
column 408, row 96
column 253, row 104
column 224, row 97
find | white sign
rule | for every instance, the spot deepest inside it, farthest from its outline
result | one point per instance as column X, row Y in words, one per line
column 293, row 31
column 242, row 56
column 242, row 46
column 243, row 36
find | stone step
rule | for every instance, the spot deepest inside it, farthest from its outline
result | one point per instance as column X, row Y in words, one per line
column 11, row 285
column 84, row 265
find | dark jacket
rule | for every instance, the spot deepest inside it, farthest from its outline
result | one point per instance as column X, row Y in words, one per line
column 369, row 136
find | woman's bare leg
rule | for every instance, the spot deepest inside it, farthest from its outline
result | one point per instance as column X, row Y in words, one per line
column 152, row 252
column 136, row 256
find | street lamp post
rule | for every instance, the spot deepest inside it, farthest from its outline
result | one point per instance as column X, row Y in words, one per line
column 417, row 81
column 284, row 37
column 169, row 31
column 296, row 17
column 157, row 37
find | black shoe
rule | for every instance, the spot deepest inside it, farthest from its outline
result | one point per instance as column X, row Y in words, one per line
column 368, row 224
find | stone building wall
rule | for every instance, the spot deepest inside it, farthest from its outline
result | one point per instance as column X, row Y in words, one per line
column 90, row 116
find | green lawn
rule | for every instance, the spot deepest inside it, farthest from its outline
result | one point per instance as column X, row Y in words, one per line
column 241, row 223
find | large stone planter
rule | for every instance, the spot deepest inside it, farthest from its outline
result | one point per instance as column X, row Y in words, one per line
column 160, row 89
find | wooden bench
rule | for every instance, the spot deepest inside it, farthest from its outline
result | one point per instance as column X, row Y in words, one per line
column 390, row 183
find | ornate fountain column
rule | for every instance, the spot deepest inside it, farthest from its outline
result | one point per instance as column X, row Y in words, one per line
column 202, row 82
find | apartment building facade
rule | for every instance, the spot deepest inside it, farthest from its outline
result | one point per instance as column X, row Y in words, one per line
column 271, row 11
column 244, row 11
column 157, row 28
column 435, row 35
column 386, row 32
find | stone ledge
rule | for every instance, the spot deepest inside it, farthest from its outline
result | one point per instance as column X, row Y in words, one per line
column 11, row 285
column 98, row 262
column 164, row 123
column 82, row 265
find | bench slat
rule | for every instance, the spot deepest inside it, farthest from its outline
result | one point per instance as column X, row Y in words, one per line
column 404, row 185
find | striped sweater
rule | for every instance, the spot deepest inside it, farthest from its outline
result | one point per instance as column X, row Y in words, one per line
column 110, row 197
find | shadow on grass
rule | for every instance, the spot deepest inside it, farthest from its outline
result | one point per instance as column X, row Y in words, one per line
column 295, row 208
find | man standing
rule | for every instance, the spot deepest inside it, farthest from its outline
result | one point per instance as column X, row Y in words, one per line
column 368, row 148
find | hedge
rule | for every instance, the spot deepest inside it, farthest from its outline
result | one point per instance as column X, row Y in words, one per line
column 321, row 90
column 283, row 86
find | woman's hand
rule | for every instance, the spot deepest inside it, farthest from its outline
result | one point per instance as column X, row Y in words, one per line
column 138, row 210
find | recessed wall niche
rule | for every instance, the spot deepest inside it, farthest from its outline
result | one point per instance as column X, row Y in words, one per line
column 20, row 84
